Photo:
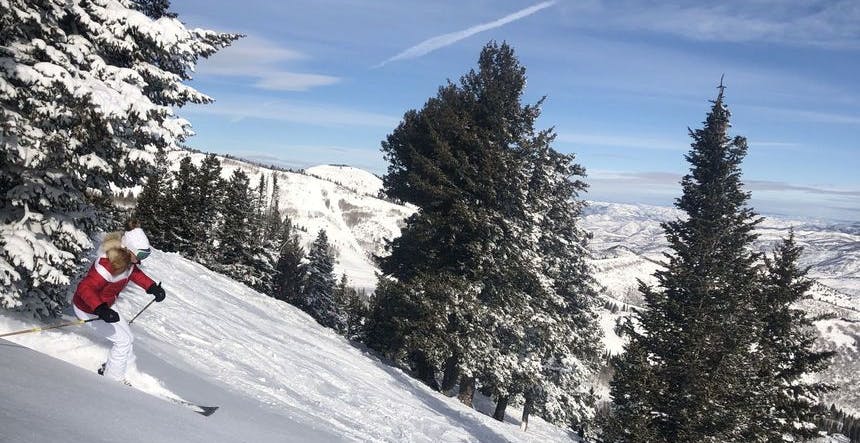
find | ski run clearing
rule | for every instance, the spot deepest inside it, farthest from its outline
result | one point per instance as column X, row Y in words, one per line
column 275, row 373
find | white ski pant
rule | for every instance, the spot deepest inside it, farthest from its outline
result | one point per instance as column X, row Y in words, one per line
column 119, row 334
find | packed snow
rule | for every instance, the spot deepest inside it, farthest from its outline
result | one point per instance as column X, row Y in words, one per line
column 272, row 370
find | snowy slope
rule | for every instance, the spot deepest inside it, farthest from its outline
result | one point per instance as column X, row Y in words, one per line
column 358, row 180
column 341, row 200
column 43, row 399
column 272, row 369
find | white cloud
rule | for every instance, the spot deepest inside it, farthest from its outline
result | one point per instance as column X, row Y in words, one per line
column 807, row 116
column 262, row 60
column 661, row 188
column 823, row 23
column 624, row 141
column 440, row 41
column 242, row 107
column 292, row 81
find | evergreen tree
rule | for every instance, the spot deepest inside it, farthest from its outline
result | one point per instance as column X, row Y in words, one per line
column 786, row 345
column 259, row 207
column 240, row 254
column 154, row 8
column 205, row 209
column 356, row 312
column 264, row 255
column 319, row 298
column 632, row 417
column 87, row 96
column 560, row 346
column 346, row 299
column 180, row 216
column 290, row 271
column 273, row 213
column 493, row 247
column 700, row 326
column 234, row 237
column 150, row 207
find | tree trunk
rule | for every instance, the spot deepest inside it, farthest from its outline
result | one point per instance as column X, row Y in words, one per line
column 449, row 376
column 501, row 405
column 527, row 409
column 424, row 370
column 467, row 390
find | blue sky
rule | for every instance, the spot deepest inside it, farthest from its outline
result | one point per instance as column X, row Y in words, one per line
column 323, row 81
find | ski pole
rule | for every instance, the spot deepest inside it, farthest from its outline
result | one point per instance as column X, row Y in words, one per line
column 62, row 325
column 141, row 311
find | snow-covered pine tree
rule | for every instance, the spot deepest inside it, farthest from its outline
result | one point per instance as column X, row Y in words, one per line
column 561, row 349
column 263, row 248
column 493, row 247
column 151, row 207
column 154, row 8
column 86, row 96
column 319, row 297
column 290, row 273
column 356, row 312
column 242, row 255
column 235, row 250
column 259, row 205
column 789, row 395
column 180, row 215
column 633, row 382
column 345, row 298
column 700, row 326
column 438, row 164
column 205, row 213
column 422, row 324
column 273, row 220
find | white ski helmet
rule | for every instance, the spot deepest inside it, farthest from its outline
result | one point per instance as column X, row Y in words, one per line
column 136, row 242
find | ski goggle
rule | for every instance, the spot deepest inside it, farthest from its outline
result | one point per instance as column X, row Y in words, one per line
column 142, row 253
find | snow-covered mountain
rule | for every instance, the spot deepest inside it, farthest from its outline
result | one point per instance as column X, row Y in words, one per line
column 627, row 245
column 831, row 250
column 342, row 200
column 275, row 373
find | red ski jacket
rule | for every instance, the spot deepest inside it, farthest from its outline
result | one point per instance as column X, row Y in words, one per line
column 100, row 286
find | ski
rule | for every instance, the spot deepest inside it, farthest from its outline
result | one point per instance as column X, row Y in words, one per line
column 202, row 410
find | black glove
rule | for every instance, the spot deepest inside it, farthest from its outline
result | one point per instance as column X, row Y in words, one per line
column 157, row 291
column 106, row 313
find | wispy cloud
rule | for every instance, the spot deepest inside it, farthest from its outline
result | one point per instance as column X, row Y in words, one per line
column 669, row 179
column 262, row 60
column 624, row 141
column 440, row 41
column 807, row 116
column 823, row 23
column 241, row 107
column 650, row 142
column 765, row 185
column 768, row 196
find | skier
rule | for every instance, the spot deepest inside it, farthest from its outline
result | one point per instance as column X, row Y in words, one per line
column 99, row 289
